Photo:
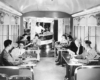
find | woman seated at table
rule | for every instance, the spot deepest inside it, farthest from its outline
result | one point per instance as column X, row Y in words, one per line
column 64, row 40
column 88, row 54
column 6, row 56
column 79, row 47
column 85, row 58
column 35, row 46
column 61, row 43
column 18, row 51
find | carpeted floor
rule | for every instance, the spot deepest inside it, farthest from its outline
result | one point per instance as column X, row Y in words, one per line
column 46, row 69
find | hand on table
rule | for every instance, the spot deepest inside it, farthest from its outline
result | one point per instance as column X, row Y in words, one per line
column 29, row 59
column 73, row 59
column 74, row 56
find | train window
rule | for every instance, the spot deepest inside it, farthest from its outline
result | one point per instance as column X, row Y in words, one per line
column 91, row 33
column 8, row 32
column 67, row 29
column 98, row 39
column 47, row 26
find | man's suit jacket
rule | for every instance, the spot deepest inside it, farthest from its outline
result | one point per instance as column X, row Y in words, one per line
column 80, row 49
column 72, row 47
column 7, row 58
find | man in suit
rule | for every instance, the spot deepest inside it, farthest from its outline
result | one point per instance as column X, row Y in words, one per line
column 6, row 57
column 71, row 44
column 70, row 47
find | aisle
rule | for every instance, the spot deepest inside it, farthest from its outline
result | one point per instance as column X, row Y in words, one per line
column 46, row 69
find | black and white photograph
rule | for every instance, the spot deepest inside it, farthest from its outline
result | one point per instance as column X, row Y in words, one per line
column 49, row 39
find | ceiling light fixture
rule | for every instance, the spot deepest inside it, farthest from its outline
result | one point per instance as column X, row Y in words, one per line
column 87, row 11
column 9, row 9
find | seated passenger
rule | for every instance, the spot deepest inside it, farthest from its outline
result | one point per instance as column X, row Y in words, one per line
column 28, row 40
column 36, row 44
column 35, row 41
column 18, row 51
column 6, row 56
column 79, row 47
column 88, row 54
column 70, row 47
column 64, row 40
column 25, row 39
column 61, row 43
column 21, row 48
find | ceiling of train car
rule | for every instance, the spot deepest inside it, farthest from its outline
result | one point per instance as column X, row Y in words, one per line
column 68, row 6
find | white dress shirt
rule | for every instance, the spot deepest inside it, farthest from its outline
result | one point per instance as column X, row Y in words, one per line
column 38, row 29
column 17, row 52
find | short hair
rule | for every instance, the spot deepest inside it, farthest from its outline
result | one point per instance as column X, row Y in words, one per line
column 28, row 38
column 41, row 24
column 7, row 43
column 37, row 35
column 20, row 42
column 70, row 37
column 37, row 23
column 64, row 36
column 88, row 42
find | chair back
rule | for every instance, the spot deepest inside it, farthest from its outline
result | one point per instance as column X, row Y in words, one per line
column 21, row 71
column 87, row 73
column 3, row 76
column 9, row 71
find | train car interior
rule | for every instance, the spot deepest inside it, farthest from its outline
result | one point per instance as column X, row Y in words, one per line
column 49, row 39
